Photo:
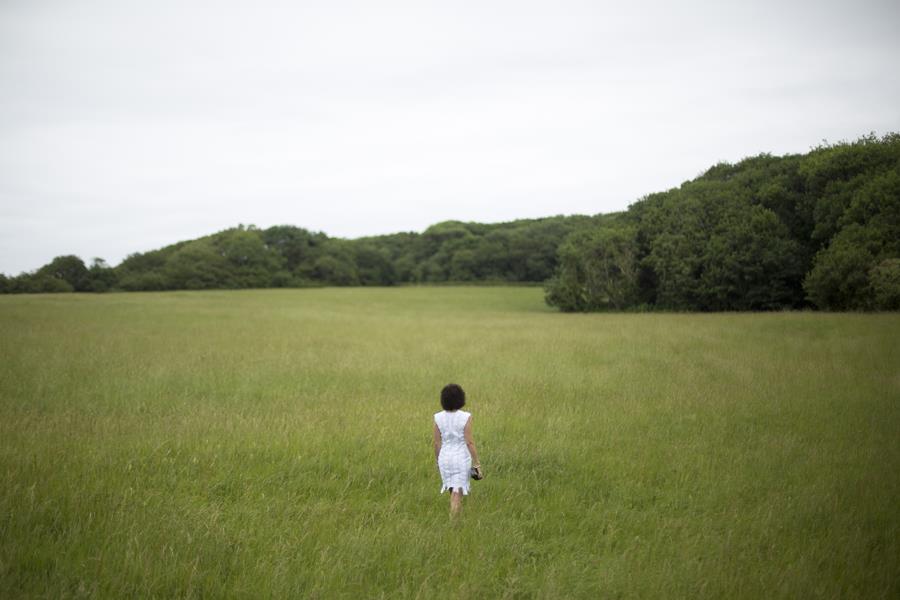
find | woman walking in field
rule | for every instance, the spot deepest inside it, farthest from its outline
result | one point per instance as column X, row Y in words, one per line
column 454, row 447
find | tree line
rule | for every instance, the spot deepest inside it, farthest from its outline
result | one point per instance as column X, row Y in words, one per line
column 289, row 256
column 820, row 229
column 768, row 233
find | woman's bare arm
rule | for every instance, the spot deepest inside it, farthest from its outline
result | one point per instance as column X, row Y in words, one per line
column 437, row 442
column 470, row 442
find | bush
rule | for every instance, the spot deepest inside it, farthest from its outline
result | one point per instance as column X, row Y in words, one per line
column 598, row 270
column 44, row 284
column 885, row 281
column 137, row 282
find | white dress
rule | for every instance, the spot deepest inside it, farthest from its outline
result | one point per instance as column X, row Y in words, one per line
column 454, row 459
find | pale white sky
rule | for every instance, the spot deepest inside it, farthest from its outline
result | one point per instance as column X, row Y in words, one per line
column 128, row 125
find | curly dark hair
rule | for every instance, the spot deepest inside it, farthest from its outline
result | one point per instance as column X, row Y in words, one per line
column 452, row 397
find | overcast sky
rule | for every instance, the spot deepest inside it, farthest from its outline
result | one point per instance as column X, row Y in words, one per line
column 126, row 126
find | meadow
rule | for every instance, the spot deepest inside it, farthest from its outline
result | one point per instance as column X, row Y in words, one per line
column 277, row 443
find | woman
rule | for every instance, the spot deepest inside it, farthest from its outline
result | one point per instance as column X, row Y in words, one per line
column 454, row 447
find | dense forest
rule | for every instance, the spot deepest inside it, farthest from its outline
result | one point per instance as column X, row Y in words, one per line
column 768, row 233
column 820, row 230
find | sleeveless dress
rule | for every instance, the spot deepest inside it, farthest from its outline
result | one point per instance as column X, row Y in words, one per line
column 454, row 459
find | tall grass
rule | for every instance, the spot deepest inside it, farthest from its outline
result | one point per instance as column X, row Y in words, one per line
column 277, row 444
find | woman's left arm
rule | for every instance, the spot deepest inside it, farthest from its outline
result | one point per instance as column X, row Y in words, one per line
column 437, row 442
column 470, row 442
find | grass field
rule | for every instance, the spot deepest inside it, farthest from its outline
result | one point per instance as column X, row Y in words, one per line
column 277, row 444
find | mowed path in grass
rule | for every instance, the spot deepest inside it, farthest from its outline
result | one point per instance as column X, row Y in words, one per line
column 277, row 444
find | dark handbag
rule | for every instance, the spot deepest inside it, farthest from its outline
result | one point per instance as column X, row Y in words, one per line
column 476, row 474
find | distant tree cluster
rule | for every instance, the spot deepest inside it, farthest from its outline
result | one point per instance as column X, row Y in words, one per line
column 820, row 229
column 62, row 274
column 768, row 233
column 287, row 256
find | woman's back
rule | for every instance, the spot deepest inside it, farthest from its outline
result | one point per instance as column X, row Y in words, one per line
column 452, row 425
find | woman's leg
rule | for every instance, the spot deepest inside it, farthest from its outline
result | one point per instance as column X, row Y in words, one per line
column 455, row 501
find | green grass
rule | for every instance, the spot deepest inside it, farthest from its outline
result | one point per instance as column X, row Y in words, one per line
column 277, row 444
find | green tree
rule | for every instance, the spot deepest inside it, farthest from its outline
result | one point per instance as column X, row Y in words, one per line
column 463, row 265
column 839, row 279
column 68, row 268
column 40, row 283
column 149, row 281
column 885, row 281
column 197, row 265
column 336, row 270
column 834, row 174
column 749, row 263
column 373, row 264
column 869, row 234
column 298, row 248
column 144, row 271
column 100, row 276
column 250, row 262
column 598, row 270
